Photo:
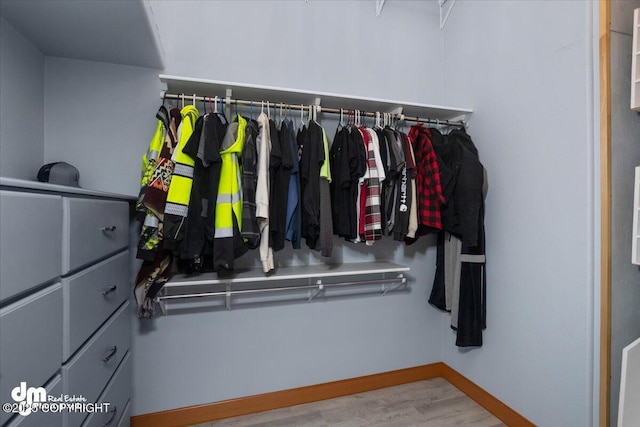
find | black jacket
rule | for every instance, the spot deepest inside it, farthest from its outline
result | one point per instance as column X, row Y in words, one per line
column 461, row 176
column 310, row 162
column 204, row 147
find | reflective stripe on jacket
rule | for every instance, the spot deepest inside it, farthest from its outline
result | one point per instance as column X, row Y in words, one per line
column 176, row 208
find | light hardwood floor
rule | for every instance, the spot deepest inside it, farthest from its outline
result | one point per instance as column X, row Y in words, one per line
column 430, row 403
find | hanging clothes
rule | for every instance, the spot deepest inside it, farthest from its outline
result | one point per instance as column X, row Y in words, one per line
column 177, row 204
column 211, row 190
column 151, row 277
column 345, row 174
column 280, row 166
column 428, row 186
column 262, row 192
column 472, row 295
column 372, row 217
column 228, row 243
column 325, row 238
column 340, row 181
column 293, row 219
column 156, row 177
column 250, row 229
column 196, row 251
column 310, row 162
column 413, row 210
column 155, row 270
column 386, row 164
column 150, row 157
column 463, row 218
column 404, row 191
column 390, row 193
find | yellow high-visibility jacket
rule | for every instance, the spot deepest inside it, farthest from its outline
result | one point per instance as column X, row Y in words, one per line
column 177, row 206
column 228, row 243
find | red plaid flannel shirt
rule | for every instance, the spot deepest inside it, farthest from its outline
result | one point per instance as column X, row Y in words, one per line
column 429, row 190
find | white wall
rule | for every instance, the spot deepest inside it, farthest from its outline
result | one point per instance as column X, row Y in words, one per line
column 526, row 69
column 202, row 357
column 100, row 117
column 21, row 105
column 625, row 156
column 329, row 46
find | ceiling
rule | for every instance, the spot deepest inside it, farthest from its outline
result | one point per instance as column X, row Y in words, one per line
column 119, row 32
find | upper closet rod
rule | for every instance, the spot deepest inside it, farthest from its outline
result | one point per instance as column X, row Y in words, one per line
column 299, row 107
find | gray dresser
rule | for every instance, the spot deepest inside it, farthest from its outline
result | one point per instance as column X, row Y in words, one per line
column 64, row 309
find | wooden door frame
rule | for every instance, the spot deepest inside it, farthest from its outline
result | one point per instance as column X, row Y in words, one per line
column 605, row 212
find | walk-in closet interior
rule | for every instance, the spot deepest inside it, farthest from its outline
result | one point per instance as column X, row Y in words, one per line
column 546, row 298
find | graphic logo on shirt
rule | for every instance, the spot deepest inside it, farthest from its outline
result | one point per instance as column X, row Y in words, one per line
column 403, row 191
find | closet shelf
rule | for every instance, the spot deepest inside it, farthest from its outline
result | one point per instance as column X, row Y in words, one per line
column 23, row 184
column 203, row 87
column 119, row 32
column 190, row 287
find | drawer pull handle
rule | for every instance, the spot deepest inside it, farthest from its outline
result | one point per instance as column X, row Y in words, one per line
column 110, row 289
column 113, row 416
column 112, row 352
column 109, row 228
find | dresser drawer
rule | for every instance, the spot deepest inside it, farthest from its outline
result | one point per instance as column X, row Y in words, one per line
column 116, row 394
column 30, row 341
column 90, row 297
column 31, row 227
column 92, row 229
column 88, row 372
column 39, row 419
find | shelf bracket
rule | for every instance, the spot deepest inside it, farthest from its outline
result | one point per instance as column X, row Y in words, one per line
column 445, row 17
column 379, row 6
column 227, row 102
column 397, row 111
column 315, row 292
column 395, row 286
column 227, row 298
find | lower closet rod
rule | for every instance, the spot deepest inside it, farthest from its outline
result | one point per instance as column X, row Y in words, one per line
column 400, row 280
column 299, row 107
